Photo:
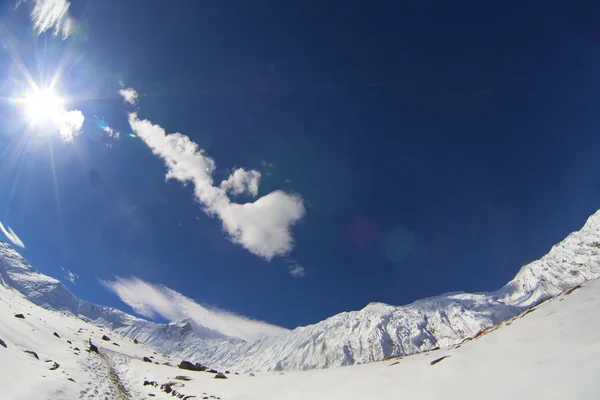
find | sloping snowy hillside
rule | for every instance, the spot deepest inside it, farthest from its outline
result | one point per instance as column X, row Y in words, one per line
column 547, row 352
column 374, row 333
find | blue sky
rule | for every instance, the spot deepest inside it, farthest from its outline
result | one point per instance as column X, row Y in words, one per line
column 414, row 150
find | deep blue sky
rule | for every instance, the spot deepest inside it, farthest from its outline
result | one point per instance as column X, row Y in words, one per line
column 471, row 133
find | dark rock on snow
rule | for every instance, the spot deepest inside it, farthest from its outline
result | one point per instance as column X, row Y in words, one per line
column 3, row 344
column 146, row 359
column 55, row 366
column 19, row 316
column 104, row 337
column 56, row 334
column 33, row 353
column 438, row 360
column 220, row 376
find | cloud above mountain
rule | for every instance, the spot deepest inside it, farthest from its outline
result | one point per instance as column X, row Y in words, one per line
column 12, row 236
column 70, row 276
column 152, row 300
column 263, row 227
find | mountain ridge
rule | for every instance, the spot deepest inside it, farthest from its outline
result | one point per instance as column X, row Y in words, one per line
column 376, row 332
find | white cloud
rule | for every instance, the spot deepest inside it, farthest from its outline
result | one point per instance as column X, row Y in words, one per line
column 111, row 132
column 297, row 271
column 262, row 227
column 70, row 124
column 12, row 236
column 129, row 95
column 52, row 14
column 151, row 300
column 70, row 276
column 242, row 181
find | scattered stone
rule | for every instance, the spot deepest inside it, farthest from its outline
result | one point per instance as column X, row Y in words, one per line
column 156, row 362
column 251, row 374
column 146, row 359
column 167, row 363
column 237, row 373
column 3, row 344
column 146, row 383
column 220, row 375
column 33, row 353
column 151, row 394
column 71, row 379
column 227, row 372
column 116, row 344
column 55, row 366
column 19, row 316
column 104, row 337
column 438, row 360
column 183, row 378
column 76, row 349
column 68, row 341
column 192, row 367
column 212, row 371
column 394, row 363
column 136, row 341
column 93, row 348
column 56, row 334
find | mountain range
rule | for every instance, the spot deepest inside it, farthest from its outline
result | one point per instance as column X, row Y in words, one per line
column 376, row 332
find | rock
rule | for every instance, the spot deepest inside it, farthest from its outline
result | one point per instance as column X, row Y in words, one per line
column 146, row 383
column 116, row 344
column 438, row 360
column 3, row 344
column 136, row 341
column 212, row 371
column 56, row 334
column 146, row 359
column 19, row 316
column 76, row 348
column 33, row 353
column 237, row 373
column 192, row 367
column 227, row 372
column 71, row 379
column 55, row 366
column 251, row 374
column 220, row 375
column 93, row 349
column 183, row 378
column 151, row 394
column 168, row 389
column 68, row 341
column 104, row 337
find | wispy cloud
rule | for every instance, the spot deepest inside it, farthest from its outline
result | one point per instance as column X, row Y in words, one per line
column 52, row 15
column 70, row 276
column 12, row 236
column 129, row 95
column 262, row 227
column 297, row 271
column 151, row 300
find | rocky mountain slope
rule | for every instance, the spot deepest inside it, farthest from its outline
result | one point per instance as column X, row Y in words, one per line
column 374, row 333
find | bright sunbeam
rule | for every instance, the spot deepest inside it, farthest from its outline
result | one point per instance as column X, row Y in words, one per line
column 43, row 105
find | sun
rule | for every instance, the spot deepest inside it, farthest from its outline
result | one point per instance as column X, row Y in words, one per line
column 43, row 105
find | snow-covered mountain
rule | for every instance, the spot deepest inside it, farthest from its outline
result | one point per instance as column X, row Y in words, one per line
column 374, row 333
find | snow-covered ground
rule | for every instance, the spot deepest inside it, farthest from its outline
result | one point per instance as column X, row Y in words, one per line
column 550, row 352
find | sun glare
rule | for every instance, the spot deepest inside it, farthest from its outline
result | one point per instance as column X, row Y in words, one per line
column 43, row 105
